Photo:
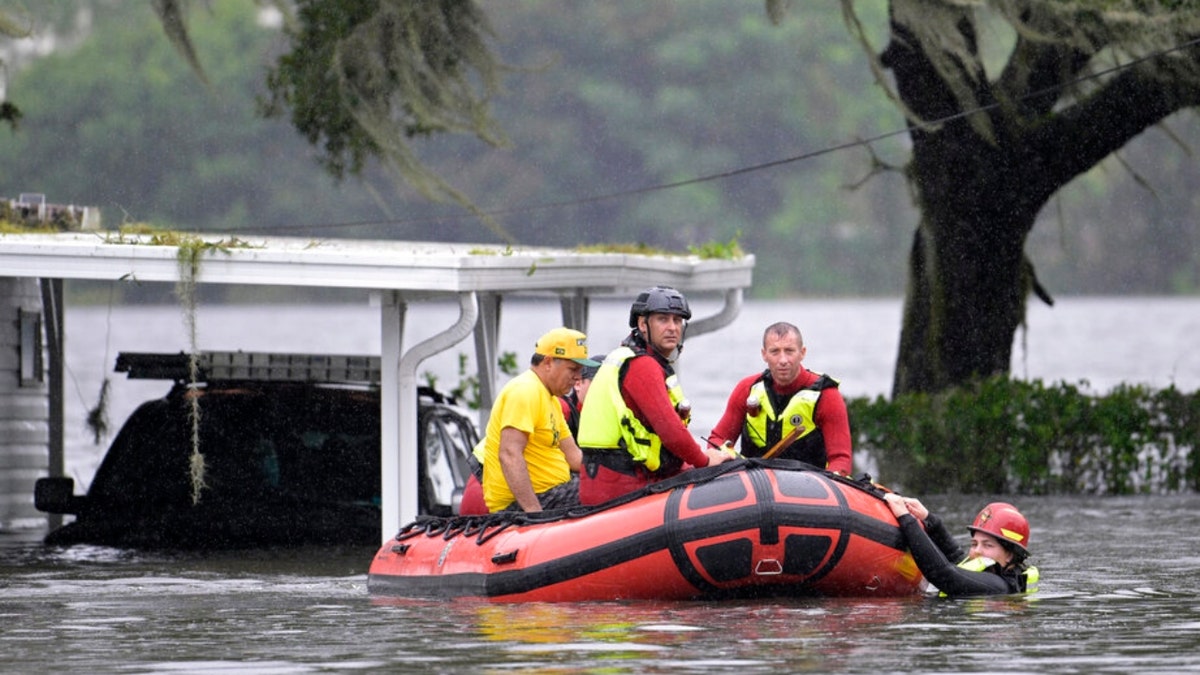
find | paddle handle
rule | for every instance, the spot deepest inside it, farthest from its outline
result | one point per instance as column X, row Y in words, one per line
column 783, row 443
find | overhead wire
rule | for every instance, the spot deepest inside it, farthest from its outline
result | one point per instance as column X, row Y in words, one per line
column 659, row 187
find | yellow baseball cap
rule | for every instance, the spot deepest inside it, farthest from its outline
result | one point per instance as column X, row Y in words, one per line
column 565, row 343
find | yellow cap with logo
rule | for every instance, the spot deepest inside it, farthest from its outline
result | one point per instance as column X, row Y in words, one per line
column 565, row 343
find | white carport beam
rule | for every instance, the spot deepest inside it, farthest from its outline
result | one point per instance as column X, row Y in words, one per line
column 399, row 400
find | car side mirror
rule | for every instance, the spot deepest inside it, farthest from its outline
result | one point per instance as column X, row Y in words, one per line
column 56, row 494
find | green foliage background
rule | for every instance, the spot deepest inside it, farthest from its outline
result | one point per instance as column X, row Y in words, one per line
column 604, row 101
column 607, row 99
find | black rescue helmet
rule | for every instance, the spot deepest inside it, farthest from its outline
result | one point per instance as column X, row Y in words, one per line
column 659, row 300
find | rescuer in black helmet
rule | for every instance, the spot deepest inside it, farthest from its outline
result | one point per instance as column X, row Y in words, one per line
column 633, row 430
column 659, row 300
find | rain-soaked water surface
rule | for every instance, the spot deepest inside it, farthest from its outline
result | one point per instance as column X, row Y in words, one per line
column 1117, row 596
column 1119, row 574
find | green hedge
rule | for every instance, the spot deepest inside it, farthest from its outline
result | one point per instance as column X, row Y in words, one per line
column 1002, row 436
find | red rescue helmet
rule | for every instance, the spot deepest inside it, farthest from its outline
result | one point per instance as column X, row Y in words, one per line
column 1004, row 522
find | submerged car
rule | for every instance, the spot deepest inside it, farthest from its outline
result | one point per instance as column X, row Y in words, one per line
column 291, row 456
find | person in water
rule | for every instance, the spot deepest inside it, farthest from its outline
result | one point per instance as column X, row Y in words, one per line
column 997, row 563
column 633, row 430
column 788, row 401
column 529, row 456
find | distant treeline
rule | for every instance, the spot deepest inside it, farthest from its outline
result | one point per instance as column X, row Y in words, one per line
column 604, row 101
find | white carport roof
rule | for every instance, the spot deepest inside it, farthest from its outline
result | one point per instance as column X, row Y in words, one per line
column 478, row 276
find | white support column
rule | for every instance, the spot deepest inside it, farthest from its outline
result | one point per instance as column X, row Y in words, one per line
column 391, row 319
column 400, row 504
column 575, row 310
column 486, row 337
column 52, row 326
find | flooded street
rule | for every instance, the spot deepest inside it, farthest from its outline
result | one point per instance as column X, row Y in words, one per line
column 1118, row 591
column 1117, row 596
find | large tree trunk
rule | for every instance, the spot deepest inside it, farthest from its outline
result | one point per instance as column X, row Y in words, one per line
column 964, row 299
column 995, row 155
column 963, row 304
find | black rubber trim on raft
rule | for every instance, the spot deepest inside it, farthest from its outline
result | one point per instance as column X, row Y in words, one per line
column 764, row 496
column 842, row 541
column 730, row 490
column 676, row 540
column 673, row 535
column 584, row 563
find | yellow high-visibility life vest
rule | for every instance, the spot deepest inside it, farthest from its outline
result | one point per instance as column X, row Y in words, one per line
column 1027, row 580
column 763, row 430
column 606, row 423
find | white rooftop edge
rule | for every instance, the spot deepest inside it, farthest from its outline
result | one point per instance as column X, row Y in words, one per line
column 370, row 264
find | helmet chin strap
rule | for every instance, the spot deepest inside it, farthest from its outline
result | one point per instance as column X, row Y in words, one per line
column 674, row 356
column 677, row 351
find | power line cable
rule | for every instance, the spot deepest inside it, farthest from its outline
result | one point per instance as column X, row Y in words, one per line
column 581, row 201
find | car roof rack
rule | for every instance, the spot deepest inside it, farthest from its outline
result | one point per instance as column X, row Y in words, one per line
column 217, row 366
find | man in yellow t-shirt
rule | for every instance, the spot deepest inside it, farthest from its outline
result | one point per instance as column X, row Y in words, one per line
column 530, row 459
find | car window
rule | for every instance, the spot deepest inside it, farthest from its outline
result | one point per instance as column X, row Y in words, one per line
column 447, row 441
column 325, row 466
column 301, row 443
column 439, row 465
column 462, row 435
column 328, row 441
column 297, row 444
column 139, row 469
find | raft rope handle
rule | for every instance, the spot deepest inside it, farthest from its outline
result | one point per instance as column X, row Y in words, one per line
column 454, row 528
column 486, row 527
column 864, row 482
column 411, row 530
column 484, row 535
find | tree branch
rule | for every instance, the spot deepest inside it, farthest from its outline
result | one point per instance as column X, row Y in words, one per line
column 1035, row 74
column 1076, row 139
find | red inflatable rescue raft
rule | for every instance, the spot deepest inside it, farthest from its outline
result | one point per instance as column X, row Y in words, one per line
column 749, row 528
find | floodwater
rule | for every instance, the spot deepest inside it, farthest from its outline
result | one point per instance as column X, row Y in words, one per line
column 1118, row 591
column 1118, row 595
